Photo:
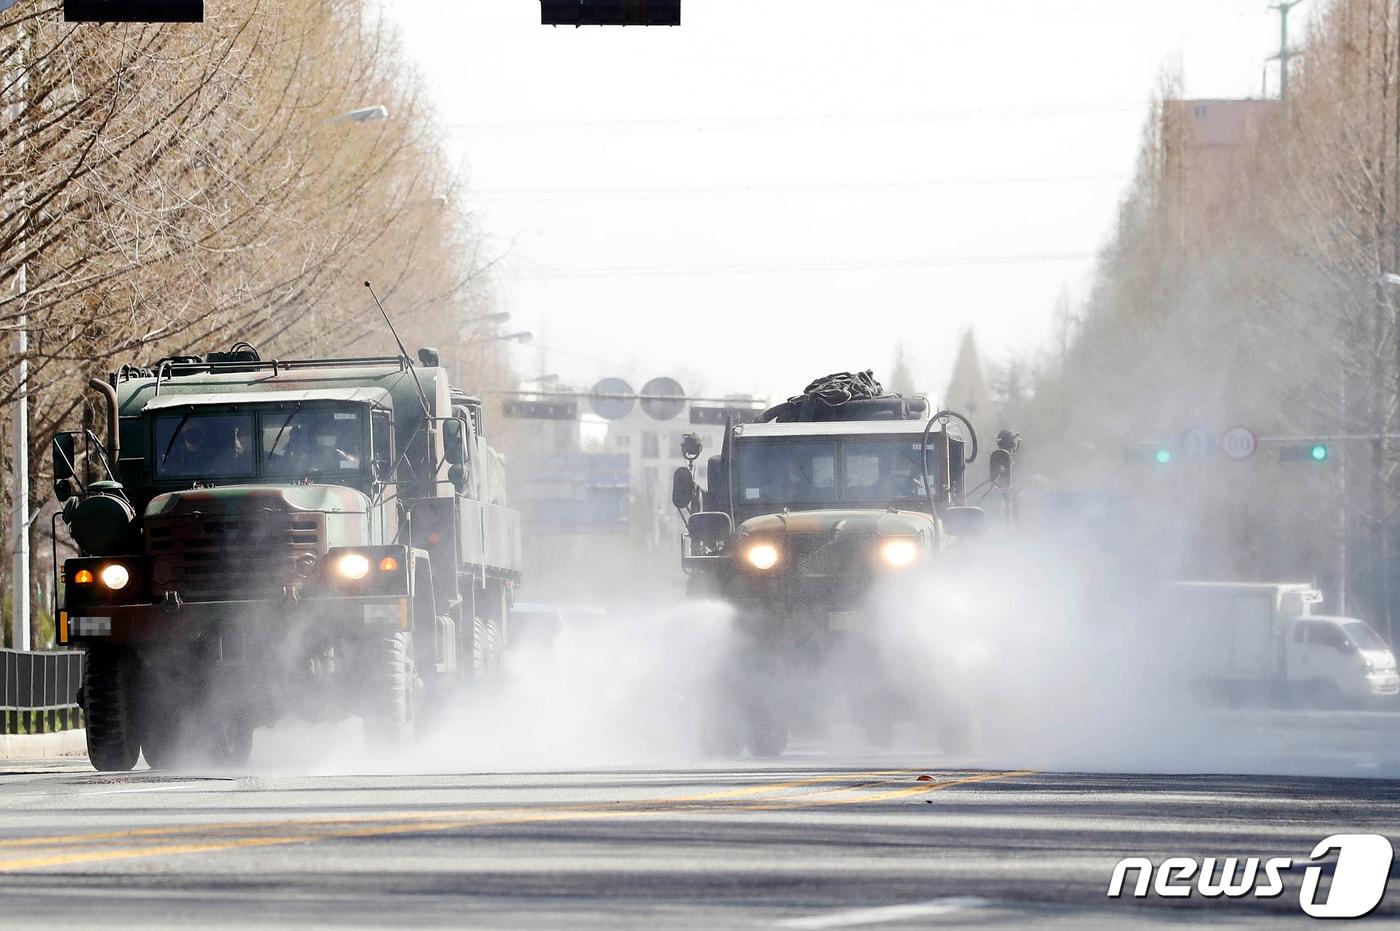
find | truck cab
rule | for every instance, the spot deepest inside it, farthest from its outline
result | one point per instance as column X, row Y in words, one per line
column 1339, row 660
column 261, row 538
column 805, row 513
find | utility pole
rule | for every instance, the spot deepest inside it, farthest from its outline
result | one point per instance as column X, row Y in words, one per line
column 19, row 517
column 1285, row 51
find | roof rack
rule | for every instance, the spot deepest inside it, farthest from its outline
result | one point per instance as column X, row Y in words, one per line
column 170, row 369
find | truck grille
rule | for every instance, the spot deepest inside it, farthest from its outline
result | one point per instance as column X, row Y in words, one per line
column 230, row 556
column 828, row 555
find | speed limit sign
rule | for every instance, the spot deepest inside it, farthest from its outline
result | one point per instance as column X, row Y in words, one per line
column 1239, row 443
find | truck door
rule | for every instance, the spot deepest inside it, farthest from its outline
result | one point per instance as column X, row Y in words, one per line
column 1333, row 657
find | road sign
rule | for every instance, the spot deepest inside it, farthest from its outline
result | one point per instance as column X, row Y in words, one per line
column 610, row 12
column 612, row 399
column 1197, row 444
column 719, row 416
column 663, row 398
column 1239, row 443
column 133, row 11
column 541, row 410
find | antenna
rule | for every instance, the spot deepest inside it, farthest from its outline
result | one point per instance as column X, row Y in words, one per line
column 403, row 351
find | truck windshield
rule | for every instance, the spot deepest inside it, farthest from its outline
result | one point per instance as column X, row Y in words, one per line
column 244, row 446
column 1363, row 636
column 822, row 471
column 204, row 446
column 310, row 442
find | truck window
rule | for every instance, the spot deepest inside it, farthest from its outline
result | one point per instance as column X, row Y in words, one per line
column 312, row 441
column 204, row 446
column 883, row 470
column 787, row 472
column 1324, row 634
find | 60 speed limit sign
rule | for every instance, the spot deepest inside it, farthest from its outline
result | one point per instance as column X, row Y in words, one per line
column 1239, row 442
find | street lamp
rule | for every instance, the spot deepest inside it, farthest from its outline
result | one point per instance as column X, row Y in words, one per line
column 367, row 114
column 500, row 317
column 1390, row 278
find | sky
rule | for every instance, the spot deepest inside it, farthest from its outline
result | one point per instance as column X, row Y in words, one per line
column 779, row 189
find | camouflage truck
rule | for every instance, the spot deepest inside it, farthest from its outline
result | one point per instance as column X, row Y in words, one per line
column 804, row 512
column 259, row 538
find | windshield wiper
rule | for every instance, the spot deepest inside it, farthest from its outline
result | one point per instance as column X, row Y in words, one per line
column 292, row 415
column 173, row 437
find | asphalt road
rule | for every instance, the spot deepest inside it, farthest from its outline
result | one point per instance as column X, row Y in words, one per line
column 809, row 842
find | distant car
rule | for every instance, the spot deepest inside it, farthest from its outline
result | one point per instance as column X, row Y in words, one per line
column 534, row 624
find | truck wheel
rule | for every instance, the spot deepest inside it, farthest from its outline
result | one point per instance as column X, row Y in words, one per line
column 478, row 648
column 113, row 735
column 1324, row 695
column 766, row 735
column 229, row 742
column 391, row 690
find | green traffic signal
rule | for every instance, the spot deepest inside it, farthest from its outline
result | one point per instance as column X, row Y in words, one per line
column 1163, row 456
column 1318, row 453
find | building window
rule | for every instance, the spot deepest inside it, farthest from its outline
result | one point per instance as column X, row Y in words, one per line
column 622, row 442
column 651, row 445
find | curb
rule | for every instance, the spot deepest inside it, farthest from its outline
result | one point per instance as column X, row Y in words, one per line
column 43, row 746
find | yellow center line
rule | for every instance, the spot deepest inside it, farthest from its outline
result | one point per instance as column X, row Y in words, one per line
column 133, row 833
column 426, row 822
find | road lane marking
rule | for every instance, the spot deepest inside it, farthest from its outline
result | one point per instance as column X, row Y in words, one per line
column 856, row 917
column 313, row 829
column 437, row 815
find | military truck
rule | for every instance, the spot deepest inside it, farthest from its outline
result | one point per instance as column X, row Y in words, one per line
column 261, row 537
column 806, row 510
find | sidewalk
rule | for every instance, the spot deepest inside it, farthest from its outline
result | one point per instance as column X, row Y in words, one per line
column 43, row 746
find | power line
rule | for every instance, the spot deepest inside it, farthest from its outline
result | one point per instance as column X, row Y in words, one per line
column 804, row 267
column 552, row 195
column 666, row 124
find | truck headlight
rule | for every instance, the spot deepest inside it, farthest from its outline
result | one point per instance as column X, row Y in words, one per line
column 352, row 566
column 762, row 556
column 899, row 552
column 114, row 576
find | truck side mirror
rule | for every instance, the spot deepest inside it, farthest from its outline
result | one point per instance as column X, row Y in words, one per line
column 965, row 521
column 712, row 528
column 682, row 488
column 65, row 465
column 381, row 439
column 454, row 441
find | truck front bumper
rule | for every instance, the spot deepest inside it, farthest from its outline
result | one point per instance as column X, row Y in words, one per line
column 135, row 623
column 1384, row 684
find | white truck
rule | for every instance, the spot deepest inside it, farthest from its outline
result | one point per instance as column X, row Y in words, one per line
column 1262, row 642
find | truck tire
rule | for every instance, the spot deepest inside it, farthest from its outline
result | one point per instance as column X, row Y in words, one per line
column 391, row 689
column 1323, row 695
column 113, row 732
column 226, row 740
column 766, row 734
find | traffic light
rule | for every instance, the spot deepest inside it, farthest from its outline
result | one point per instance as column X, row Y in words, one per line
column 610, row 12
column 133, row 11
column 1160, row 455
column 1316, row 451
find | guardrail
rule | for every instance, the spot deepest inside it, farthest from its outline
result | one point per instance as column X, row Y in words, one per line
column 39, row 691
